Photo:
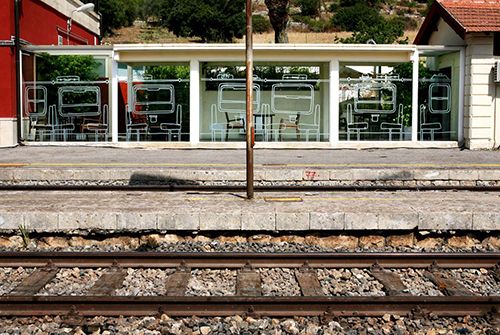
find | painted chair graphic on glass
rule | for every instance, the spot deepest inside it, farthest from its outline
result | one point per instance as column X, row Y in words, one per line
column 231, row 107
column 35, row 108
column 295, row 100
column 133, row 126
column 97, row 126
column 82, row 102
column 154, row 100
column 353, row 126
column 373, row 97
column 395, row 127
column 439, row 102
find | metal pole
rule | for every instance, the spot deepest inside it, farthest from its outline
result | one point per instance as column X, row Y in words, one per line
column 250, row 131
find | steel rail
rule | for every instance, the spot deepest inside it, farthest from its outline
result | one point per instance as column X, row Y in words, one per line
column 238, row 260
column 242, row 188
column 255, row 306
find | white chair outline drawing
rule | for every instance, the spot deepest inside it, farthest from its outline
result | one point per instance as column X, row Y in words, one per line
column 231, row 102
column 133, row 128
column 395, row 127
column 293, row 99
column 354, row 127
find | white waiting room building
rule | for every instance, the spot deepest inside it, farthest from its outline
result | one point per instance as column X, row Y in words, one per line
column 442, row 91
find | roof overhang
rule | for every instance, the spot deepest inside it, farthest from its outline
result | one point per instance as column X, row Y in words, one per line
column 133, row 53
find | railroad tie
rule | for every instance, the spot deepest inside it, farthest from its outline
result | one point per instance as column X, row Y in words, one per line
column 177, row 282
column 109, row 282
column 392, row 282
column 446, row 283
column 496, row 272
column 35, row 281
column 309, row 282
column 248, row 282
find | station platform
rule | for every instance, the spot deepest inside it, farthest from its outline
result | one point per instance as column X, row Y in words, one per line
column 81, row 165
column 111, row 211
column 136, row 212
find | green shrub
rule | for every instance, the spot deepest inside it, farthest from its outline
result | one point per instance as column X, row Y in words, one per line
column 319, row 26
column 309, row 7
column 261, row 24
column 351, row 18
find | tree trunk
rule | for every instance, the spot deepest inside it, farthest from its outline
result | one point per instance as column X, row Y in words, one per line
column 278, row 15
column 280, row 36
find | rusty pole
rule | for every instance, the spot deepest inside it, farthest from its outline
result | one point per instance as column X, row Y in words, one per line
column 250, row 131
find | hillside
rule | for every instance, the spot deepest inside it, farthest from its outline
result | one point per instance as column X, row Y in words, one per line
column 301, row 29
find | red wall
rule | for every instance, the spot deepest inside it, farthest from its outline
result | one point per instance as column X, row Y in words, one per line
column 39, row 23
column 39, row 26
column 7, row 61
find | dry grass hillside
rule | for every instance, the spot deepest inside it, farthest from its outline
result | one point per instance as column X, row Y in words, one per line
column 299, row 32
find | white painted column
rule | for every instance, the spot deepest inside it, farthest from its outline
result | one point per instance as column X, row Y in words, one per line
column 414, row 97
column 130, row 85
column 114, row 99
column 20, row 88
column 334, row 101
column 461, row 93
column 194, row 101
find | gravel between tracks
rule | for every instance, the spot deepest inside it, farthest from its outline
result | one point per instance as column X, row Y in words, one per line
column 144, row 282
column 73, row 281
column 478, row 281
column 416, row 283
column 205, row 282
column 349, row 282
column 279, row 282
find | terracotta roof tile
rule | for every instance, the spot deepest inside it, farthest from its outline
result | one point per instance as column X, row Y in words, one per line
column 474, row 15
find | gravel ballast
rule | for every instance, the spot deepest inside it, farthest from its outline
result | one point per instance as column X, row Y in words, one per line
column 349, row 282
column 144, row 282
column 389, row 324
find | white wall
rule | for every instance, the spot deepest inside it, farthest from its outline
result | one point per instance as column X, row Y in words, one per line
column 8, row 133
column 445, row 36
column 481, row 94
column 89, row 20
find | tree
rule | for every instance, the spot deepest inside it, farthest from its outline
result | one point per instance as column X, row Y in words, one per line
column 309, row 7
column 385, row 31
column 371, row 3
column 116, row 13
column 278, row 15
column 50, row 67
column 350, row 18
column 367, row 23
column 211, row 20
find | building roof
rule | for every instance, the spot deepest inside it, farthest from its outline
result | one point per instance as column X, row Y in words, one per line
column 463, row 16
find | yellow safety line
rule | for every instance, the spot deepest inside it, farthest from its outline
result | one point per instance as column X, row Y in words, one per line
column 12, row 164
column 396, row 165
column 305, row 199
column 283, row 199
column 134, row 164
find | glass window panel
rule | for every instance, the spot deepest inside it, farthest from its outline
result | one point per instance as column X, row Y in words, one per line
column 153, row 102
column 66, row 98
column 438, row 96
column 290, row 102
column 375, row 101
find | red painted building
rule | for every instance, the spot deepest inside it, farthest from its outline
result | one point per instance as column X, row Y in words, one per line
column 41, row 22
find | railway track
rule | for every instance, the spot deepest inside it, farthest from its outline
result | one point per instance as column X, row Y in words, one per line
column 100, row 298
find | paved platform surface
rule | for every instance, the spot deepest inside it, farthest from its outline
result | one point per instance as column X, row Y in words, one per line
column 72, row 156
column 326, row 167
column 142, row 211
